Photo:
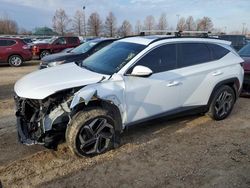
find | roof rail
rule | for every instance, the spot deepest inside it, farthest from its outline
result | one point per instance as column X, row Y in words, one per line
column 177, row 33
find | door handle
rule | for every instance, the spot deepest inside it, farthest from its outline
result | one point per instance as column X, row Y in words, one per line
column 173, row 83
column 217, row 73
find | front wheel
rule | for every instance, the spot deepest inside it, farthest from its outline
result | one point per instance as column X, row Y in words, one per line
column 91, row 132
column 222, row 103
column 15, row 61
column 44, row 53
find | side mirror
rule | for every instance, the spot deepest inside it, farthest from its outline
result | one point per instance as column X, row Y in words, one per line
column 140, row 70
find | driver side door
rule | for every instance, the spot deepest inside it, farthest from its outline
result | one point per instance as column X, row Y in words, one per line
column 59, row 45
column 157, row 94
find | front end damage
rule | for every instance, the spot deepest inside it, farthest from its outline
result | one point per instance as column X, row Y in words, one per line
column 43, row 121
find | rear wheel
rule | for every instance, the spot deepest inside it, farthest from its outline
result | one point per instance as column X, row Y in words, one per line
column 44, row 53
column 15, row 60
column 91, row 132
column 222, row 103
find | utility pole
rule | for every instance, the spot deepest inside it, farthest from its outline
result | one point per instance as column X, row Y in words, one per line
column 243, row 28
column 178, row 17
column 84, row 21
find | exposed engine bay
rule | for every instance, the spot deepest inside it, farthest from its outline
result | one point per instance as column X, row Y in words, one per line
column 43, row 121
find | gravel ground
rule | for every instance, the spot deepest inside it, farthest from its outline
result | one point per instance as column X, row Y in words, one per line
column 192, row 151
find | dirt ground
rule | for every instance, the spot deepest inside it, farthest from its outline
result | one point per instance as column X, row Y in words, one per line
column 186, row 152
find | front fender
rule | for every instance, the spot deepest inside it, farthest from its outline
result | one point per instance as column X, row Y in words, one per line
column 111, row 91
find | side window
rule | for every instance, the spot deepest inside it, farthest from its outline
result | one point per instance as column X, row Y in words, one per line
column 60, row 41
column 72, row 40
column 3, row 42
column 160, row 59
column 217, row 51
column 10, row 42
column 192, row 54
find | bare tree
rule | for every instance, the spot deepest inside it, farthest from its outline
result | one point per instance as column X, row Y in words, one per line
column 149, row 23
column 8, row 26
column 60, row 21
column 190, row 24
column 125, row 29
column 94, row 24
column 205, row 24
column 110, row 25
column 78, row 22
column 162, row 23
column 138, row 27
column 181, row 24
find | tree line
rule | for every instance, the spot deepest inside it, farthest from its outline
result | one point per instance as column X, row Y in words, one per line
column 109, row 27
column 94, row 25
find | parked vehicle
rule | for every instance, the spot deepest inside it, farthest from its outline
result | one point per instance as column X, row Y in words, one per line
column 238, row 41
column 14, row 51
column 75, row 55
column 133, row 80
column 245, row 54
column 55, row 45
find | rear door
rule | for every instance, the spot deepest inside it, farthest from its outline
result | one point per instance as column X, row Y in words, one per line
column 199, row 72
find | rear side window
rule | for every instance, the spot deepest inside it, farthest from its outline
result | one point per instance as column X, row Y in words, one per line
column 10, row 42
column 160, row 59
column 217, row 51
column 72, row 40
column 7, row 42
column 192, row 54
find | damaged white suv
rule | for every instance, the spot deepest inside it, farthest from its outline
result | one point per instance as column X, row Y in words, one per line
column 132, row 80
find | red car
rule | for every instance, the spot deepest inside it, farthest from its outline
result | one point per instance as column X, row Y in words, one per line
column 245, row 54
column 55, row 45
column 14, row 51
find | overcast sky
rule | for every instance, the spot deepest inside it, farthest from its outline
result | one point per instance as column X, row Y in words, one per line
column 34, row 13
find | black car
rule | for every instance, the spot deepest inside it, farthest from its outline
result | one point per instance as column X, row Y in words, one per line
column 238, row 41
column 77, row 54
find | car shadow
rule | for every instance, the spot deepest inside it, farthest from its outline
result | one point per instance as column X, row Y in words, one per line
column 25, row 64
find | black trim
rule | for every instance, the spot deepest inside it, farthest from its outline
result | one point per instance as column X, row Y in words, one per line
column 233, row 82
column 182, row 111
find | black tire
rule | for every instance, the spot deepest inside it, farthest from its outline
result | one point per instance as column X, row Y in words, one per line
column 15, row 60
column 222, row 103
column 44, row 53
column 91, row 132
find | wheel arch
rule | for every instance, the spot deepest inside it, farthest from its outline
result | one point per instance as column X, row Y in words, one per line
column 234, row 83
column 105, row 104
column 15, row 54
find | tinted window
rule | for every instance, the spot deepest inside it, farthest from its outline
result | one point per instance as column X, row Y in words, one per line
column 72, row 40
column 3, row 42
column 160, row 59
column 245, row 51
column 10, row 42
column 217, row 51
column 7, row 42
column 192, row 54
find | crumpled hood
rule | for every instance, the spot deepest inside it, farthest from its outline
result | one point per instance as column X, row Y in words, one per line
column 41, row 84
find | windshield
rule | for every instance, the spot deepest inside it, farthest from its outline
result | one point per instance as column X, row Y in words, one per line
column 84, row 47
column 112, row 58
column 245, row 51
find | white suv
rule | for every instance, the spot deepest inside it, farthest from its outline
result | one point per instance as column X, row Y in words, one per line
column 132, row 80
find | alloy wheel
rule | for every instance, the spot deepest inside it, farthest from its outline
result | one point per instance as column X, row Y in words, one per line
column 224, row 103
column 95, row 136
